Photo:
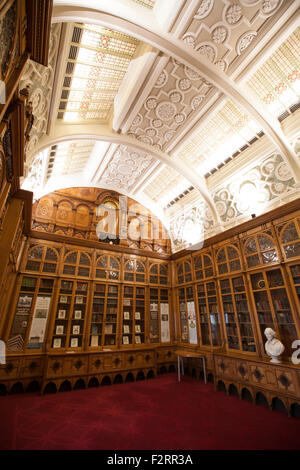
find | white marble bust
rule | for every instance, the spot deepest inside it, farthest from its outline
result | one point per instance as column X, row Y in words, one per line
column 274, row 347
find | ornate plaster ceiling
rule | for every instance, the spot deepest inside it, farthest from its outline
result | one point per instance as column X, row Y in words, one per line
column 160, row 81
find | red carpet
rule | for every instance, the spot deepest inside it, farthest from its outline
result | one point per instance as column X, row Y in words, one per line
column 154, row 414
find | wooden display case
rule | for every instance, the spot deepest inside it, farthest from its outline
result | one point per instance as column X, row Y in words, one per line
column 159, row 316
column 133, row 315
column 31, row 310
column 236, row 314
column 209, row 314
column 70, row 315
column 104, row 319
column 187, row 315
column 273, row 306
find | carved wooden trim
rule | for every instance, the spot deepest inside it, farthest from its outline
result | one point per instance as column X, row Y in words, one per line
column 39, row 14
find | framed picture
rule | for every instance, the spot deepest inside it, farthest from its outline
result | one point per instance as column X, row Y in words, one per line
column 126, row 328
column 77, row 314
column 126, row 316
column 57, row 343
column 61, row 314
column 137, row 328
column 137, row 340
column 59, row 330
column 78, row 299
column 76, row 329
column 126, row 302
column 74, row 342
column 137, row 315
column 94, row 340
column 125, row 340
column 63, row 299
column 108, row 329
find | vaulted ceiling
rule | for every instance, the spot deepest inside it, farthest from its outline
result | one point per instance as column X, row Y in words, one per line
column 190, row 107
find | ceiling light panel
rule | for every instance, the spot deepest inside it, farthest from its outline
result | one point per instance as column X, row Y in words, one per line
column 277, row 82
column 98, row 60
column 68, row 158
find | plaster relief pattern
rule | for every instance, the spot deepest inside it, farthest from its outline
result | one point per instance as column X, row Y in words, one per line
column 39, row 80
column 269, row 180
column 126, row 167
column 229, row 28
column 178, row 92
column 198, row 219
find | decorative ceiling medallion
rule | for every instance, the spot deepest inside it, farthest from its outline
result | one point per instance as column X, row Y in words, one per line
column 222, row 64
column 169, row 135
column 283, row 172
column 245, row 41
column 179, row 118
column 137, row 120
column 151, row 103
column 162, row 79
column 184, row 84
column 221, row 207
column 196, row 101
column 175, row 96
column 269, row 6
column 157, row 123
column 191, row 74
column 207, row 51
column 204, row 9
column 219, row 34
column 166, row 110
column 189, row 40
column 233, row 14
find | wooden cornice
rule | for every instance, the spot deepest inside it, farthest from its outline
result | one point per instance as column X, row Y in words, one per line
column 244, row 227
column 39, row 13
column 27, row 197
column 54, row 237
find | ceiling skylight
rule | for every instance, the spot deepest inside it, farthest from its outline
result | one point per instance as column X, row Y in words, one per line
column 97, row 62
column 277, row 82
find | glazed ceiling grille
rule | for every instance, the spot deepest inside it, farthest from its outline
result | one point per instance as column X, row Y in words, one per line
column 277, row 82
column 98, row 60
column 68, row 158
column 166, row 186
column 226, row 134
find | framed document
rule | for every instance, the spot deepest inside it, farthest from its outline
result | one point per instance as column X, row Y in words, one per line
column 78, row 299
column 76, row 329
column 74, row 342
column 59, row 330
column 126, row 302
column 137, row 328
column 125, row 340
column 57, row 343
column 61, row 314
column 126, row 328
column 137, row 315
column 108, row 329
column 77, row 314
column 63, row 299
column 137, row 340
column 94, row 340
column 126, row 316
